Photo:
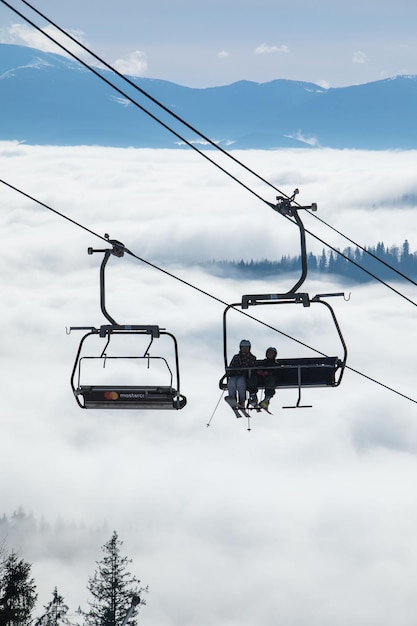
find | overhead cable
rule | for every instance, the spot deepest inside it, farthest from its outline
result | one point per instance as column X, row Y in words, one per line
column 371, row 254
column 202, row 291
column 130, row 82
column 206, row 138
column 189, row 126
column 133, row 101
column 362, row 268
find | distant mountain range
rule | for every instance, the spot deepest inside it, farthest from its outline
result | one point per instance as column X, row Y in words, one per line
column 46, row 98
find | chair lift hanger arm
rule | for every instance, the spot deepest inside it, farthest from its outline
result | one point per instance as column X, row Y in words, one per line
column 118, row 250
column 285, row 207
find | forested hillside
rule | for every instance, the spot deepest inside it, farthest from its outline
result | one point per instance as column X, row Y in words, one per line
column 353, row 264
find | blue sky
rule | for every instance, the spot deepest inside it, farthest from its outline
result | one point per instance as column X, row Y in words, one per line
column 204, row 44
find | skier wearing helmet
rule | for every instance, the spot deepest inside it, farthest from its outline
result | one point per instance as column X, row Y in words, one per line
column 239, row 371
column 265, row 377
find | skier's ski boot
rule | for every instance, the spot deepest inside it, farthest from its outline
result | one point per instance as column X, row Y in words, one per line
column 253, row 400
column 265, row 403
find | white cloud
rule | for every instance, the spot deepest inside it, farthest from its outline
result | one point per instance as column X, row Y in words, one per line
column 323, row 83
column 135, row 64
column 311, row 141
column 201, row 509
column 223, row 54
column 266, row 49
column 21, row 34
column 360, row 58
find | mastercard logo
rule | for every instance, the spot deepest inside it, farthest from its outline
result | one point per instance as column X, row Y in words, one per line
column 111, row 395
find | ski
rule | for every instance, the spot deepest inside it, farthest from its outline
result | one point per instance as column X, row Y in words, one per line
column 237, row 410
column 260, row 408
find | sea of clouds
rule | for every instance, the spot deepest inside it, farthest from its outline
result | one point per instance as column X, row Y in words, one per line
column 308, row 518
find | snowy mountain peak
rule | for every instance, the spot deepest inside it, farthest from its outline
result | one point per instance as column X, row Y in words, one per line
column 50, row 99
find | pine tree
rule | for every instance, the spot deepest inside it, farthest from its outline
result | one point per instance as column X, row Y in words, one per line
column 322, row 264
column 17, row 592
column 55, row 612
column 115, row 591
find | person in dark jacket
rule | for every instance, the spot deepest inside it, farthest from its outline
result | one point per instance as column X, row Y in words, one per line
column 239, row 370
column 264, row 375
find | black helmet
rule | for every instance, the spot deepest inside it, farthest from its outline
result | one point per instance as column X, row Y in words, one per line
column 274, row 350
column 245, row 342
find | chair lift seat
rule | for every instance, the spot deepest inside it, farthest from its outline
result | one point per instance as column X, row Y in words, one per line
column 130, row 397
column 307, row 372
column 302, row 372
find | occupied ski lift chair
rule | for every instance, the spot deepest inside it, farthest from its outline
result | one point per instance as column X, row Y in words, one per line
column 130, row 396
column 295, row 373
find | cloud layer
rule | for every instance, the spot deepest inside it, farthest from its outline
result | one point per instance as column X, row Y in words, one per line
column 311, row 516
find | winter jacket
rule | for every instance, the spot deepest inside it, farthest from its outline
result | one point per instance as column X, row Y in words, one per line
column 241, row 364
column 267, row 363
